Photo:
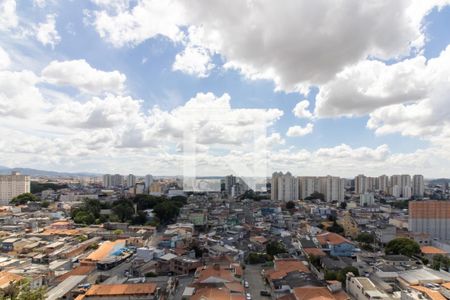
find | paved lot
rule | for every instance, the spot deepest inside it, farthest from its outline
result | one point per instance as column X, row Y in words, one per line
column 256, row 283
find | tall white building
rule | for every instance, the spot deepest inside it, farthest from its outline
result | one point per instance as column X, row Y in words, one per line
column 284, row 187
column 307, row 186
column 131, row 180
column 418, row 186
column 12, row 186
column 366, row 199
column 383, row 184
column 361, row 184
column 332, row 187
column 148, row 182
column 115, row 180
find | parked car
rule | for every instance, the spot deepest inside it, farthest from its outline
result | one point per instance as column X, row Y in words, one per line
column 264, row 293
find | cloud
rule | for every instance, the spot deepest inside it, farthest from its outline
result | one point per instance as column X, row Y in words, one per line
column 79, row 74
column 193, row 61
column 8, row 16
column 426, row 116
column 133, row 25
column 301, row 110
column 295, row 131
column 370, row 84
column 19, row 97
column 239, row 33
column 46, row 33
column 5, row 61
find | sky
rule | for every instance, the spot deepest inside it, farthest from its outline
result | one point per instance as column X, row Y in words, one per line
column 249, row 87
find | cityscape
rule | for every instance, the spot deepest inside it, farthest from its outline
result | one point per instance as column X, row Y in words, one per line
column 225, row 150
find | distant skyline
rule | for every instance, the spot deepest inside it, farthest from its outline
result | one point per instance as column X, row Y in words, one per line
column 344, row 88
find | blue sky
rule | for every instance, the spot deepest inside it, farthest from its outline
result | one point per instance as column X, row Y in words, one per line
column 259, row 68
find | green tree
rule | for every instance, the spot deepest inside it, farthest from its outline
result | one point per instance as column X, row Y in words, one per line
column 21, row 290
column 336, row 228
column 365, row 237
column 343, row 205
column 290, row 205
column 123, row 209
column 440, row 262
column 84, row 217
column 402, row 246
column 45, row 204
column 275, row 247
column 24, row 199
column 315, row 196
column 166, row 211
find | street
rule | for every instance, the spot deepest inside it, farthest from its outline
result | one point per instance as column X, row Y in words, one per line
column 252, row 274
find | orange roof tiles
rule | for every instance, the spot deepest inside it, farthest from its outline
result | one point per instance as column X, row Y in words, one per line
column 104, row 250
column 431, row 250
column 430, row 209
column 318, row 293
column 121, row 289
column 314, row 251
column 214, row 271
column 331, row 238
column 215, row 294
column 6, row 278
column 284, row 266
column 432, row 294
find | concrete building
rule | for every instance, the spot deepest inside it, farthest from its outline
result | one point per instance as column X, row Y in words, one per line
column 366, row 199
column 362, row 288
column 284, row 187
column 383, row 184
column 431, row 217
column 418, row 186
column 332, row 187
column 115, row 180
column 307, row 186
column 131, row 180
column 361, row 184
column 148, row 180
column 12, row 186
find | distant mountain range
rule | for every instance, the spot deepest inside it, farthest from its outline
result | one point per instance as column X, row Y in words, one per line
column 35, row 172
column 439, row 181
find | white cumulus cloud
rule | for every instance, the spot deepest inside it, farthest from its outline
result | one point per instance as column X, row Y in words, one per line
column 299, row 130
column 46, row 33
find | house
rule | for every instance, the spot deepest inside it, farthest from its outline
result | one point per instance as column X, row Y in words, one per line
column 137, row 291
column 314, row 293
column 336, row 244
column 362, row 288
column 282, row 278
column 67, row 289
column 430, row 251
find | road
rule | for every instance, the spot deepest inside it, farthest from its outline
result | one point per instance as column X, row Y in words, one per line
column 252, row 274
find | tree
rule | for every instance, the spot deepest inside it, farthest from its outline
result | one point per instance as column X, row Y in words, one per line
column 440, row 262
column 290, row 205
column 336, row 228
column 402, row 246
column 365, row 237
column 123, row 209
column 316, row 195
column 275, row 247
column 21, row 290
column 84, row 217
column 343, row 205
column 24, row 199
column 166, row 211
column 45, row 204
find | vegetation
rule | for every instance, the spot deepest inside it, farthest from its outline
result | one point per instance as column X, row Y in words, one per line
column 24, row 199
column 402, row 204
column 341, row 274
column 45, row 204
column 440, row 262
column 250, row 194
column 275, row 247
column 123, row 210
column 37, row 187
column 365, row 238
column 316, row 195
column 257, row 258
column 402, row 246
column 21, row 290
column 290, row 205
column 336, row 228
column 343, row 205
